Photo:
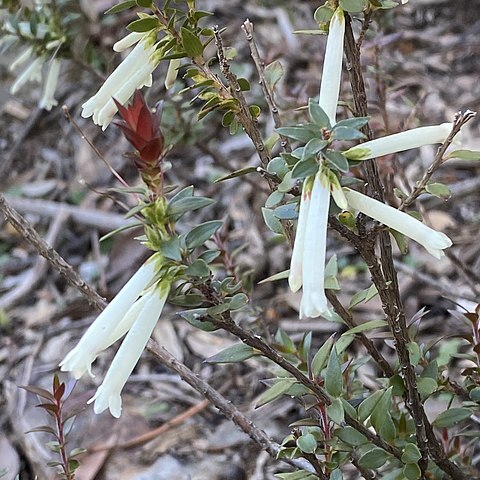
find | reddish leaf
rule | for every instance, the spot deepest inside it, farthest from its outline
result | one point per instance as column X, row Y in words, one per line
column 43, row 428
column 49, row 407
column 41, row 392
column 56, row 382
column 59, row 392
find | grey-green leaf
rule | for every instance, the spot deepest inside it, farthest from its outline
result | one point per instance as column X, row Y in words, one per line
column 307, row 443
column 143, row 24
column 337, row 160
column 317, row 115
column 201, row 233
column 452, row 417
column 374, row 458
column 333, row 375
column 188, row 204
column 191, row 43
column 235, row 353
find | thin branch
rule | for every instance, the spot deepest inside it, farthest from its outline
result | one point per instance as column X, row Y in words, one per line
column 225, row 406
column 367, row 343
column 247, row 27
column 385, row 279
column 458, row 122
column 27, row 231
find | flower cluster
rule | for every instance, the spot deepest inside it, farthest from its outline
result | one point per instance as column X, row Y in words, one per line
column 133, row 73
column 33, row 73
column 308, row 257
column 134, row 312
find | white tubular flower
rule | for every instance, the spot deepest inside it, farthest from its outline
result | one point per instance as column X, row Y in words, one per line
column 33, row 73
column 110, row 325
column 128, row 41
column 314, row 302
column 148, row 309
column 133, row 73
column 172, row 73
column 296, row 263
column 332, row 66
column 48, row 97
column 21, row 59
column 399, row 142
column 434, row 242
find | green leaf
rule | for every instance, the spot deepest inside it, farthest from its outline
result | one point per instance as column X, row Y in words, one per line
column 333, row 375
column 346, row 133
column 120, row 7
column 277, row 166
column 439, row 190
column 426, row 386
column 382, row 409
column 274, row 199
column 314, row 146
column 464, row 155
column 299, row 475
column 196, row 318
column 255, row 111
column 273, row 73
column 320, row 359
column 307, row 443
column 235, row 353
column 336, row 160
column 344, row 341
column 372, row 324
column 188, row 204
column 411, row 453
column 401, row 240
column 276, row 390
column 351, row 436
column 366, row 408
column 357, row 122
column 388, row 430
column 237, row 173
column 286, row 184
column 374, row 458
column 305, row 168
column 209, row 256
column 73, row 464
column 77, row 451
column 414, row 353
column 191, row 43
column 201, row 233
column 412, row 471
column 317, row 115
column 144, row 3
column 299, row 133
column 353, row 5
column 171, row 249
column 272, row 222
column 238, row 301
column 286, row 212
column 452, row 417
column 244, row 84
column 363, row 296
column 335, row 411
column 198, row 269
column 143, row 24
column 276, row 276
column 323, row 14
